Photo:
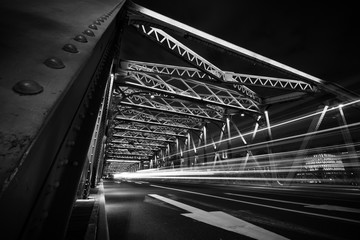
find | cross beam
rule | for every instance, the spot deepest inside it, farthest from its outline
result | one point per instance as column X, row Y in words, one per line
column 188, row 89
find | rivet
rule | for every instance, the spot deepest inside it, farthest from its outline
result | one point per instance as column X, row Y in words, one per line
column 97, row 22
column 28, row 87
column 70, row 48
column 54, row 62
column 101, row 19
column 80, row 38
column 93, row 26
column 63, row 163
column 89, row 33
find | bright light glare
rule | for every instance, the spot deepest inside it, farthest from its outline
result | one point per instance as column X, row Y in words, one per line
column 258, row 169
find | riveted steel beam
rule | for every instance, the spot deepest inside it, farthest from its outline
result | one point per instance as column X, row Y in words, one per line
column 49, row 107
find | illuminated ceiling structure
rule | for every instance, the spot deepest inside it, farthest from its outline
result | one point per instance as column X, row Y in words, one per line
column 77, row 100
column 156, row 106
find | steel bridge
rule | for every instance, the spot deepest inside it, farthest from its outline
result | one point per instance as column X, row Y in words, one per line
column 77, row 107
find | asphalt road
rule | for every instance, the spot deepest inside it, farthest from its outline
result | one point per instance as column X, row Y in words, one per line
column 140, row 210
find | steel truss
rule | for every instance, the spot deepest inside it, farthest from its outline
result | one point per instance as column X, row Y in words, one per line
column 230, row 77
column 161, row 95
column 158, row 118
column 202, row 92
column 133, row 135
column 179, row 49
column 121, row 166
column 137, row 142
column 133, row 147
column 146, row 136
column 160, row 130
column 169, row 105
column 127, row 157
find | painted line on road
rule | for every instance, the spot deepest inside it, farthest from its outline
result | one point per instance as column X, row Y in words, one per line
column 334, row 208
column 260, row 205
column 140, row 182
column 321, row 206
column 267, row 199
column 222, row 220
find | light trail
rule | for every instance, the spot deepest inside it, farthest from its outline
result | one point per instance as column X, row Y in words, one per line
column 280, row 141
column 260, row 205
column 340, row 106
column 258, row 168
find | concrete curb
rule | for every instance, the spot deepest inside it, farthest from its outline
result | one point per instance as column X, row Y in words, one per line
column 98, row 227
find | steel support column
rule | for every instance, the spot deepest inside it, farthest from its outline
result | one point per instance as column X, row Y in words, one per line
column 352, row 162
column 269, row 150
column 314, row 126
column 229, row 145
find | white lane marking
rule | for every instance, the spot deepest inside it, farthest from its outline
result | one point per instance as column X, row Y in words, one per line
column 140, row 182
column 222, row 220
column 334, row 208
column 321, row 206
column 261, row 205
column 267, row 199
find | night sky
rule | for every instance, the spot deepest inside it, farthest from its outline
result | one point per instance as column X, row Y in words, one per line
column 321, row 40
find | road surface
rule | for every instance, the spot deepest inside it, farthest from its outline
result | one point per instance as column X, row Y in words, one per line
column 140, row 210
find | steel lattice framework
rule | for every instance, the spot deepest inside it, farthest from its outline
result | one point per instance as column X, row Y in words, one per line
column 155, row 105
column 193, row 90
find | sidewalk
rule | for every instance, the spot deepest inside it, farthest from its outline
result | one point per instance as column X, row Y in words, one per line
column 88, row 219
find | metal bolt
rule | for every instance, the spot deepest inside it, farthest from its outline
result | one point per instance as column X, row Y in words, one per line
column 63, row 163
column 89, row 33
column 97, row 22
column 101, row 19
column 54, row 62
column 80, row 38
column 70, row 48
column 28, row 87
column 93, row 26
